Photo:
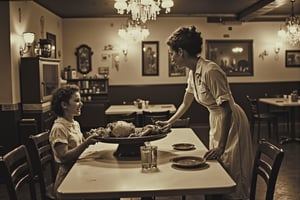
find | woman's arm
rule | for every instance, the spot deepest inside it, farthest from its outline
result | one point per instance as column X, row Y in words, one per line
column 186, row 103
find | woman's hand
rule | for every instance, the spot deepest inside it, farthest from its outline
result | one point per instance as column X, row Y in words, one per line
column 164, row 126
column 214, row 154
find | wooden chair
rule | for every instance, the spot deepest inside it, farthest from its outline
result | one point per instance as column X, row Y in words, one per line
column 258, row 117
column 152, row 117
column 182, row 123
column 267, row 163
column 131, row 118
column 43, row 163
column 17, row 171
column 281, row 112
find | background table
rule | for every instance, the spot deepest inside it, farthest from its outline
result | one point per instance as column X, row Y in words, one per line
column 285, row 103
column 114, row 111
column 127, row 109
column 98, row 174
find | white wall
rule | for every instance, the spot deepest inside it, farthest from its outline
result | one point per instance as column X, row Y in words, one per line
column 97, row 33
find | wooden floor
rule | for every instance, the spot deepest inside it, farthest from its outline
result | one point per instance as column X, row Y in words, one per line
column 288, row 183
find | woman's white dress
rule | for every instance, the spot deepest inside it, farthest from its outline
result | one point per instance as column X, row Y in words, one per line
column 210, row 88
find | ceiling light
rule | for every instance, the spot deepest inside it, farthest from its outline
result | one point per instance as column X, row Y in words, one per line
column 143, row 10
column 134, row 31
column 291, row 31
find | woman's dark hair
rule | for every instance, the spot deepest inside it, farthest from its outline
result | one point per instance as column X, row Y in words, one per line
column 186, row 38
column 62, row 94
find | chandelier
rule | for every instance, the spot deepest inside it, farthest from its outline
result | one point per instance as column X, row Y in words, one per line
column 134, row 31
column 291, row 31
column 143, row 10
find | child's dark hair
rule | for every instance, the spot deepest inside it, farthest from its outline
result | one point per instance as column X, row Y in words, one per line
column 62, row 94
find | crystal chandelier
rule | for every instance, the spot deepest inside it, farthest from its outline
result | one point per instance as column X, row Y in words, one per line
column 143, row 10
column 134, row 31
column 291, row 31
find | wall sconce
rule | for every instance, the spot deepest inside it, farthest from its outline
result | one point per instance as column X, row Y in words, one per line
column 277, row 47
column 125, row 52
column 276, row 50
column 28, row 39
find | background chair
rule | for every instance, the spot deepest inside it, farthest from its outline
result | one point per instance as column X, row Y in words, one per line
column 182, row 123
column 281, row 112
column 152, row 117
column 131, row 118
column 267, row 163
column 44, row 166
column 17, row 171
column 258, row 117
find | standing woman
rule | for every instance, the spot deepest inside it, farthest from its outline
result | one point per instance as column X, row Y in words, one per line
column 229, row 136
column 66, row 139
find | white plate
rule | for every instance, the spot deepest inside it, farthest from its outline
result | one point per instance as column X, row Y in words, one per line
column 183, row 146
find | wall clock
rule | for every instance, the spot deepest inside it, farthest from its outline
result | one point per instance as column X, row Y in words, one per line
column 84, row 59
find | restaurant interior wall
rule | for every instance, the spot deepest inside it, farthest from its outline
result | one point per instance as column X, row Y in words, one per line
column 99, row 32
column 17, row 17
column 20, row 16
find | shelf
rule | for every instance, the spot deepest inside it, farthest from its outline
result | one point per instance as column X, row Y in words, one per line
column 91, row 89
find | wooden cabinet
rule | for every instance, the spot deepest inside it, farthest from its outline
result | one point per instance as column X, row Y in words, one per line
column 44, row 120
column 39, row 77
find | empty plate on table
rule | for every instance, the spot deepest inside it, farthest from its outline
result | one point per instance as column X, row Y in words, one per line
column 183, row 146
column 188, row 161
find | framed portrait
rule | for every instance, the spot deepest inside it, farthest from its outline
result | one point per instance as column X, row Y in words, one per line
column 235, row 57
column 150, row 58
column 175, row 70
column 84, row 59
column 292, row 58
column 52, row 38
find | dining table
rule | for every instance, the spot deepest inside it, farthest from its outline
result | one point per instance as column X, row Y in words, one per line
column 284, row 102
column 116, row 110
column 98, row 173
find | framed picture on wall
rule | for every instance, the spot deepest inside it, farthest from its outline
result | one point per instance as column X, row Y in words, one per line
column 292, row 58
column 52, row 38
column 175, row 70
column 235, row 57
column 150, row 58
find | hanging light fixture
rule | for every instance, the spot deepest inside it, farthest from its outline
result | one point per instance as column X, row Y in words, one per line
column 291, row 31
column 143, row 10
column 134, row 31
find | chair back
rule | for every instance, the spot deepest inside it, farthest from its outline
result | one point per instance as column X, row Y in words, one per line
column 253, row 105
column 152, row 117
column 17, row 171
column 267, row 163
column 182, row 123
column 131, row 118
column 43, row 163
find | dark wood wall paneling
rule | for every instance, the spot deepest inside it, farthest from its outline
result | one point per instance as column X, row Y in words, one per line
column 9, row 137
column 173, row 93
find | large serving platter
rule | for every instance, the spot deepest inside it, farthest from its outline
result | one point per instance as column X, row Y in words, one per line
column 129, row 147
column 131, row 140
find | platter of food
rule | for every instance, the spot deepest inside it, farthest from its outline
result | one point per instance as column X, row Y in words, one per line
column 129, row 137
